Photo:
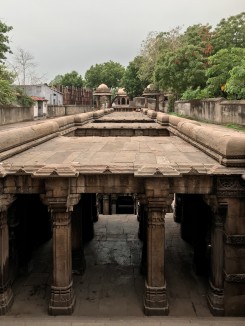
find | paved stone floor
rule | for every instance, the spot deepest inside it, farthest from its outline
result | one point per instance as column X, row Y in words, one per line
column 110, row 291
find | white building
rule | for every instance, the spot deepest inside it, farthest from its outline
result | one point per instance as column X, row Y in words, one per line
column 52, row 96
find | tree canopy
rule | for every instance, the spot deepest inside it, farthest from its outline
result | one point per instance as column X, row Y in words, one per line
column 109, row 73
column 4, row 40
column 131, row 82
column 69, row 79
column 186, row 63
column 7, row 94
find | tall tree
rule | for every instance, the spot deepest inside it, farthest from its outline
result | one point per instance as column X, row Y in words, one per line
column 133, row 85
column 7, row 93
column 69, row 79
column 235, row 86
column 24, row 66
column 4, row 40
column 220, row 66
column 230, row 33
column 154, row 46
column 109, row 73
column 179, row 70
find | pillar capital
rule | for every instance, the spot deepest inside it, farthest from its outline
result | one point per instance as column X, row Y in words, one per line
column 5, row 201
column 60, row 204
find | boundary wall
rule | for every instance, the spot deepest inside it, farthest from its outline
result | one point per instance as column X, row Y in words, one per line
column 215, row 110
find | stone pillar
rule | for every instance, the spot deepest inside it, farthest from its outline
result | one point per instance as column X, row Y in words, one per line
column 62, row 299
column 155, row 300
column 215, row 294
column 142, row 232
column 106, row 205
column 231, row 190
column 6, row 294
column 113, row 204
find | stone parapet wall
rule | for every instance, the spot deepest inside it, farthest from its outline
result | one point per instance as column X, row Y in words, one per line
column 58, row 111
column 15, row 114
column 213, row 110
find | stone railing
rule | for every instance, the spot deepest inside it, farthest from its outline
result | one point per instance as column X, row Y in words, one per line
column 224, row 145
column 215, row 110
column 17, row 140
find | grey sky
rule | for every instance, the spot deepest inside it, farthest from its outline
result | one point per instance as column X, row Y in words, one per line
column 65, row 35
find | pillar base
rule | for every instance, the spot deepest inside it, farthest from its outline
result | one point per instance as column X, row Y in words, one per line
column 215, row 298
column 62, row 301
column 6, row 301
column 155, row 301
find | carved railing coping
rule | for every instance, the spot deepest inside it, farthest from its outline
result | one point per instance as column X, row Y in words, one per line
column 226, row 146
column 17, row 140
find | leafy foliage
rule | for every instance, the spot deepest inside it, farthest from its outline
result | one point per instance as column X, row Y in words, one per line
column 195, row 94
column 230, row 33
column 220, row 66
column 22, row 98
column 4, row 40
column 131, row 82
column 109, row 73
column 176, row 71
column 69, row 79
column 235, row 86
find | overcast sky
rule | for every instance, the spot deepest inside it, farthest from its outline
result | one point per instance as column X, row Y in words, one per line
column 66, row 35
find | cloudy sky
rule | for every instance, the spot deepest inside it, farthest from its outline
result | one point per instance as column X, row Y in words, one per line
column 66, row 35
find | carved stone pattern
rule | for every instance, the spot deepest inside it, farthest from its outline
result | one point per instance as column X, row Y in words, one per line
column 235, row 240
column 156, row 222
column 155, row 294
column 226, row 183
column 230, row 187
column 235, row 278
column 61, row 221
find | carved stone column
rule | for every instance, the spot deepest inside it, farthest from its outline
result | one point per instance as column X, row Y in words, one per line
column 155, row 300
column 106, row 205
column 215, row 294
column 62, row 299
column 6, row 294
column 231, row 190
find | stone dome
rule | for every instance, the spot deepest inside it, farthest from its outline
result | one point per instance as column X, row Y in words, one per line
column 151, row 88
column 102, row 88
column 121, row 92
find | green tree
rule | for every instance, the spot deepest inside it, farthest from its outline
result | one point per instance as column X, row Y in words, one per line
column 154, row 46
column 56, row 81
column 4, row 40
column 7, row 93
column 220, row 66
column 109, row 73
column 199, row 36
column 68, row 79
column 131, row 82
column 230, row 33
column 93, row 76
column 179, row 70
column 235, row 86
column 112, row 74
